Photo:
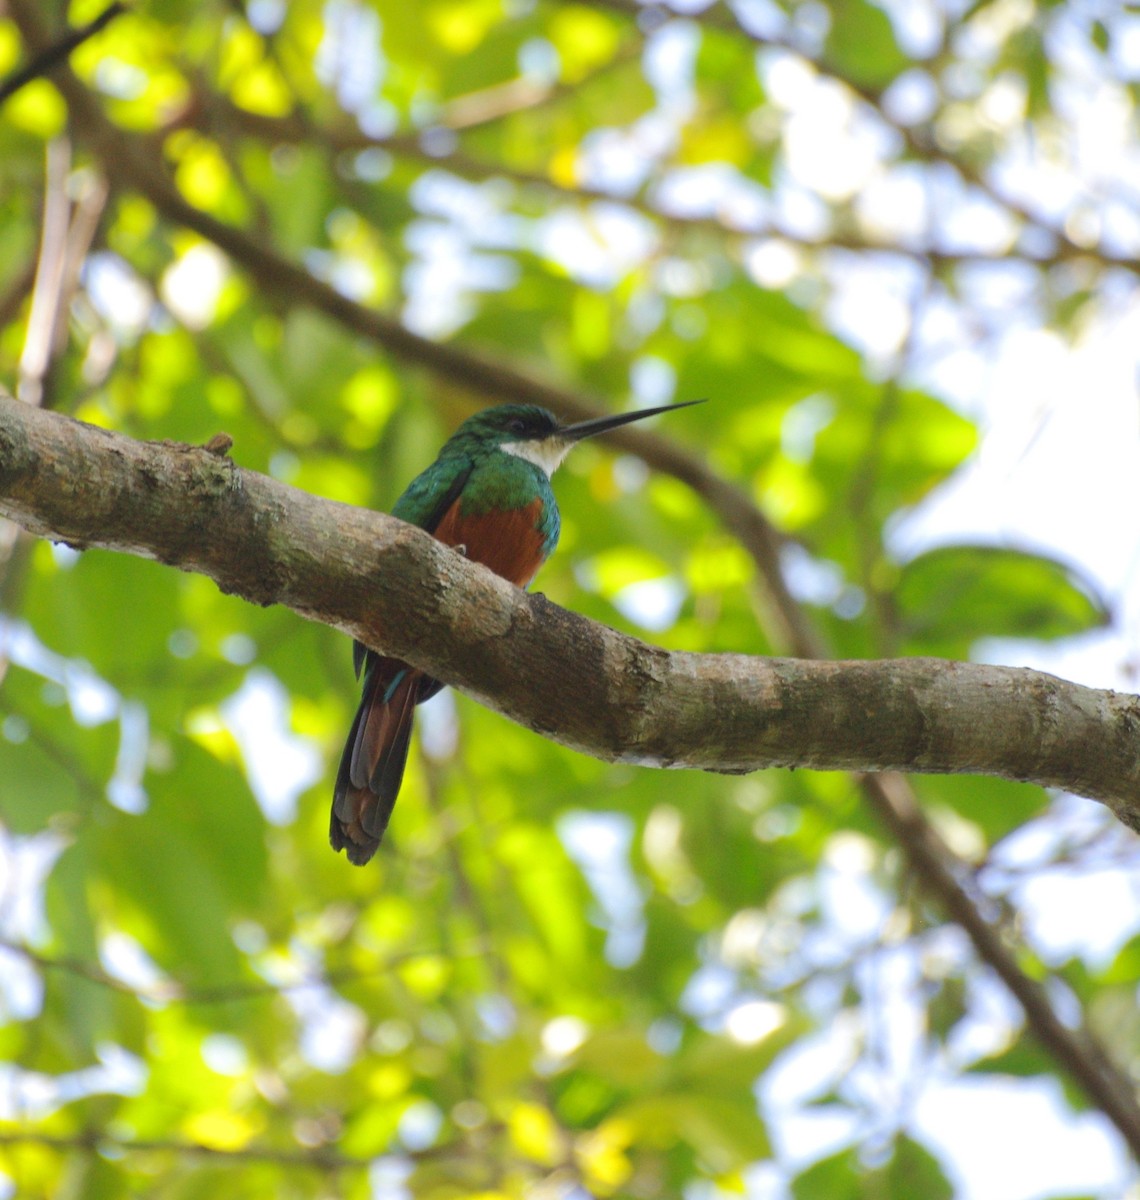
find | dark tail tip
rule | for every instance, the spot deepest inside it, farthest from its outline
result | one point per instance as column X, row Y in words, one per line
column 357, row 845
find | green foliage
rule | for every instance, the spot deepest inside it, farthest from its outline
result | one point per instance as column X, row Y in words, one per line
column 557, row 974
column 862, row 45
column 942, row 594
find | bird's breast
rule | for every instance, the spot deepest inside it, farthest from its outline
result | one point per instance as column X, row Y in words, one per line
column 511, row 542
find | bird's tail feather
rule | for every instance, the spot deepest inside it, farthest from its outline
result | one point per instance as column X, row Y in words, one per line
column 375, row 754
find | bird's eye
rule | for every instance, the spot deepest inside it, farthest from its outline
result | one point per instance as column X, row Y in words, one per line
column 516, row 425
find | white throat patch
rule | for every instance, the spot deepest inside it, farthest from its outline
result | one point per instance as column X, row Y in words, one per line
column 547, row 453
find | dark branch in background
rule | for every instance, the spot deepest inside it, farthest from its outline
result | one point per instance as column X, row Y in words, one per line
column 325, row 1159
column 1076, row 1050
column 208, row 113
column 139, row 164
column 52, row 56
column 14, row 295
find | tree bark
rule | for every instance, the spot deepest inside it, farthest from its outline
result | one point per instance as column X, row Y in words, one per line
column 570, row 679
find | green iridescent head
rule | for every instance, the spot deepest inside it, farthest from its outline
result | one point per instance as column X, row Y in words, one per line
column 535, row 434
column 508, row 423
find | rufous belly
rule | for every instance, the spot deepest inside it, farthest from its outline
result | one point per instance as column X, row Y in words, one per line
column 508, row 542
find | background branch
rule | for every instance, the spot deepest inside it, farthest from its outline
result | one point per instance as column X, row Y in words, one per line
column 96, row 1141
column 51, row 56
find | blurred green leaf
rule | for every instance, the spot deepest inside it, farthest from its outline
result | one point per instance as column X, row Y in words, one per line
column 834, row 1178
column 1023, row 1058
column 914, row 1171
column 186, row 869
column 861, row 45
column 950, row 597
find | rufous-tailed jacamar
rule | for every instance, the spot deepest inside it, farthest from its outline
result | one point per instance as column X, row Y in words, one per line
column 489, row 494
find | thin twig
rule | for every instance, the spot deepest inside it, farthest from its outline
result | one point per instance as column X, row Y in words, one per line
column 13, row 297
column 209, row 112
column 50, row 57
column 171, row 991
column 94, row 1141
column 721, row 17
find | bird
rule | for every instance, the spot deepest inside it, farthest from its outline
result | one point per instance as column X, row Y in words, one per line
column 487, row 494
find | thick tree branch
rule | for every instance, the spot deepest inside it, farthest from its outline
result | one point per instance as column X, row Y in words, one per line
column 618, row 699
column 401, row 591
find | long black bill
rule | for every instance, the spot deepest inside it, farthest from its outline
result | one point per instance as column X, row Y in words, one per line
column 585, row 429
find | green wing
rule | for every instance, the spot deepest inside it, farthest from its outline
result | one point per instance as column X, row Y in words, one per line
column 433, row 491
